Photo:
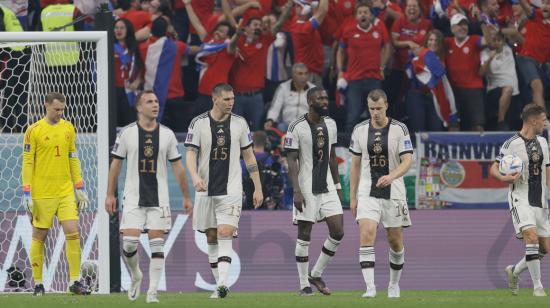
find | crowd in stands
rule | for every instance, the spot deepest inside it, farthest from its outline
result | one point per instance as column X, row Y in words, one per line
column 446, row 65
column 458, row 65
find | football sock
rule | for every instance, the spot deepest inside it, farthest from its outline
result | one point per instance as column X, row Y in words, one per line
column 397, row 259
column 327, row 253
column 225, row 247
column 37, row 260
column 129, row 250
column 366, row 260
column 302, row 261
column 72, row 251
column 213, row 259
column 157, row 263
column 533, row 263
column 520, row 267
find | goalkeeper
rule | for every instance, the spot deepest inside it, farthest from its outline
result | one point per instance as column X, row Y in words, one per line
column 51, row 174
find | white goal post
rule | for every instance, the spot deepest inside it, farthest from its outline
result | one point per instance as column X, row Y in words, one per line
column 97, row 132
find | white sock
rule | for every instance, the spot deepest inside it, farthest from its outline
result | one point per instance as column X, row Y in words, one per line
column 327, row 253
column 520, row 267
column 157, row 263
column 225, row 247
column 129, row 250
column 533, row 263
column 213, row 260
column 366, row 260
column 302, row 261
column 397, row 259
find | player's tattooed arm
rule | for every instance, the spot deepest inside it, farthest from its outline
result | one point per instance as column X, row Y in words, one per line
column 252, row 168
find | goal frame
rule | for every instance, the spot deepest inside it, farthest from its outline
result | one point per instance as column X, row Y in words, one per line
column 102, row 110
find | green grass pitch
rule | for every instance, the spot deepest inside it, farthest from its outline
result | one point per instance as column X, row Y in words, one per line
column 426, row 299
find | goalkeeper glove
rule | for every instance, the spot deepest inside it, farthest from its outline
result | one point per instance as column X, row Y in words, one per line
column 81, row 196
column 27, row 200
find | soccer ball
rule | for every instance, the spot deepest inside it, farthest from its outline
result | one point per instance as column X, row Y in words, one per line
column 88, row 269
column 510, row 164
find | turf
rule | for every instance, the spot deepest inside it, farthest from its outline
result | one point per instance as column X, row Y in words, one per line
column 425, row 299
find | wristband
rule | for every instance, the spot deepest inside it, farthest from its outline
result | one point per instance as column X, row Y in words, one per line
column 338, row 185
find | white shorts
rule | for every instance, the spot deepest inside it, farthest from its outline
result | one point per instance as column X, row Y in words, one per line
column 525, row 216
column 318, row 207
column 146, row 218
column 392, row 213
column 211, row 211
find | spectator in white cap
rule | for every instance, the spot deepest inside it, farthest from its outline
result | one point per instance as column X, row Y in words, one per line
column 463, row 67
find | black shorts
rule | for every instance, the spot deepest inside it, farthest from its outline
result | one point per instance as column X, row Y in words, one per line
column 471, row 107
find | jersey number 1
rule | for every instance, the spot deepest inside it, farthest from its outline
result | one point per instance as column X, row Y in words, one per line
column 57, row 154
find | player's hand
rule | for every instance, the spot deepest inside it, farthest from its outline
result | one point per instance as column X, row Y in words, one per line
column 299, row 202
column 257, row 198
column 353, row 207
column 511, row 178
column 188, row 206
column 82, row 198
column 27, row 199
column 199, row 184
column 384, row 181
column 110, row 204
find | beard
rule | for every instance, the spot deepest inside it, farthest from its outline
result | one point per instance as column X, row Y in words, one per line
column 321, row 111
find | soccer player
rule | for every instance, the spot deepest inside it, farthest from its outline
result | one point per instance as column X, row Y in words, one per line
column 313, row 171
column 527, row 196
column 215, row 141
column 382, row 154
column 148, row 146
column 51, row 173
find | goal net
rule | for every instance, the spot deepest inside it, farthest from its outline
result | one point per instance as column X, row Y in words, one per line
column 32, row 65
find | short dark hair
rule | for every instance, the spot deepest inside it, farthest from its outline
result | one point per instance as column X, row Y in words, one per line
column 259, row 138
column 225, row 23
column 159, row 27
column 249, row 21
column 140, row 95
column 377, row 94
column 531, row 110
column 221, row 87
column 50, row 97
column 312, row 91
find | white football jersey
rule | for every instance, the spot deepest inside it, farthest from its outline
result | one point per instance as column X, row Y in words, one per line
column 219, row 145
column 380, row 151
column 532, row 183
column 147, row 155
column 314, row 143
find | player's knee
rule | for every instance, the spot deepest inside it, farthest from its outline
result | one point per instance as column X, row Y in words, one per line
column 157, row 248
column 337, row 235
column 129, row 246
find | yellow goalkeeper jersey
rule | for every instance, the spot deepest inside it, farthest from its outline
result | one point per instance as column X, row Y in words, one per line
column 50, row 160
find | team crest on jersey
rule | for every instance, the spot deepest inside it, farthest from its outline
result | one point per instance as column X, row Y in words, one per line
column 466, row 50
column 320, row 137
column 535, row 157
column 148, row 151
column 220, row 141
column 259, row 46
column 27, row 147
column 67, row 136
column 288, row 142
column 377, row 145
column 189, row 137
column 375, row 34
